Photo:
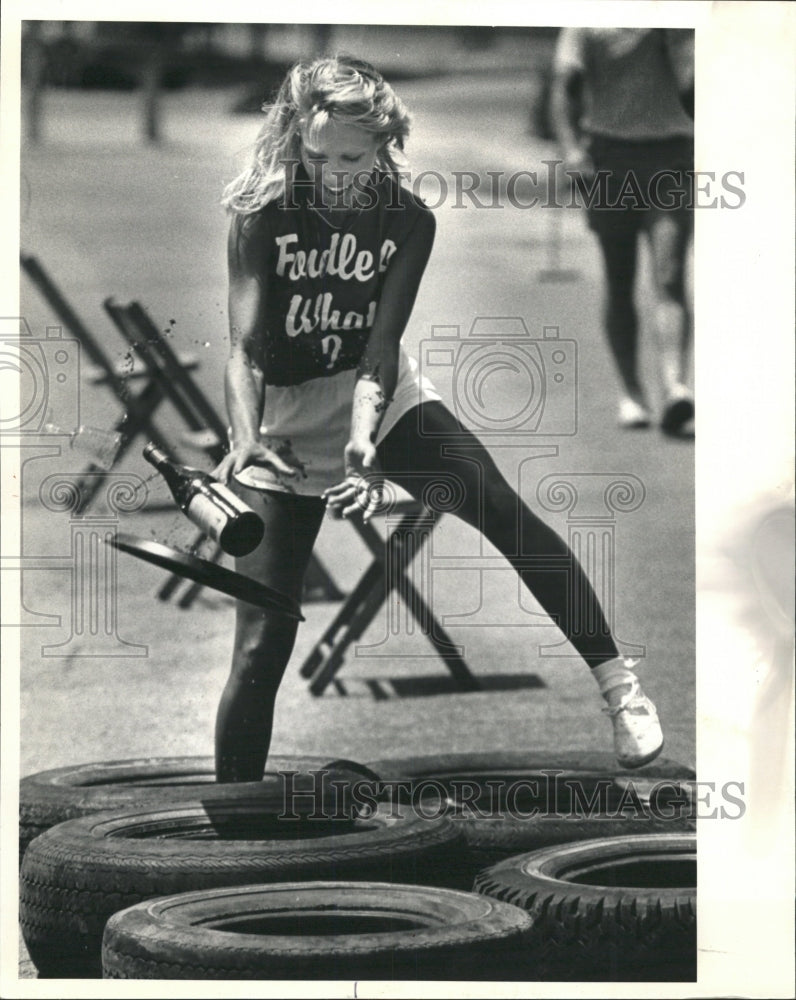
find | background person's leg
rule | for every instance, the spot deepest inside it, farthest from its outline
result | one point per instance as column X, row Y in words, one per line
column 263, row 639
column 617, row 234
column 669, row 233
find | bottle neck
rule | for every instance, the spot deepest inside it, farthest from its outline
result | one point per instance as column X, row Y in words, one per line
column 182, row 481
column 156, row 457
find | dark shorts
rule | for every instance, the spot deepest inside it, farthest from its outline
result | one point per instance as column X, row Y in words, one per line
column 637, row 180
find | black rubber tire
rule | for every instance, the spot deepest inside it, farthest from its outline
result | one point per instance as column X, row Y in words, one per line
column 78, row 873
column 316, row 931
column 490, row 841
column 577, row 796
column 53, row 796
column 644, row 929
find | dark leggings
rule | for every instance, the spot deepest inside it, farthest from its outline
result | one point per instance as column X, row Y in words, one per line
column 443, row 452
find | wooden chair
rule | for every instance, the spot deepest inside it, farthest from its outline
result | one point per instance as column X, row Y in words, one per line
column 387, row 572
column 206, row 431
column 163, row 375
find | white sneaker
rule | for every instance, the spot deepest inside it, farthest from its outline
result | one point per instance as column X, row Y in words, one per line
column 638, row 737
column 632, row 415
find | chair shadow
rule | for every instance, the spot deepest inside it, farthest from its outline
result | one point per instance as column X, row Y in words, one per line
column 384, row 688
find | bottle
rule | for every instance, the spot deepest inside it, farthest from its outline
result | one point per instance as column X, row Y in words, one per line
column 209, row 504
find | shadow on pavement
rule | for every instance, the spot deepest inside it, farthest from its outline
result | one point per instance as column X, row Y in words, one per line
column 426, row 687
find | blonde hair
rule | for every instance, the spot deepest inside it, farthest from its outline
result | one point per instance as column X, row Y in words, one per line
column 339, row 88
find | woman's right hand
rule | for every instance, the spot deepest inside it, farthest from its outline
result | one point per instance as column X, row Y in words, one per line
column 253, row 453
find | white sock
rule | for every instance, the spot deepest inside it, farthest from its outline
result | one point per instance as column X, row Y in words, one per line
column 615, row 673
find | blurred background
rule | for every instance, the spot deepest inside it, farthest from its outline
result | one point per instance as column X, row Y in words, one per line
column 152, row 57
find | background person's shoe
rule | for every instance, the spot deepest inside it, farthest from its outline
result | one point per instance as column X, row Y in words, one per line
column 632, row 415
column 678, row 411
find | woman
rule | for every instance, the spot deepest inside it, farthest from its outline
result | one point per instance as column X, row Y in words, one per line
column 326, row 254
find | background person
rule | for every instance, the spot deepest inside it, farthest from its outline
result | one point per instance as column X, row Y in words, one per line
column 622, row 103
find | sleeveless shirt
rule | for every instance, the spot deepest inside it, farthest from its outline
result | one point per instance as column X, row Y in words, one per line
column 325, row 279
column 324, row 283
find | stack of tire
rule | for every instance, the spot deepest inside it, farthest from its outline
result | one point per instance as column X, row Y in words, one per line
column 150, row 870
column 602, row 859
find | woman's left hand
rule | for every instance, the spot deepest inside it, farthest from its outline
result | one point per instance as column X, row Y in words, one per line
column 361, row 488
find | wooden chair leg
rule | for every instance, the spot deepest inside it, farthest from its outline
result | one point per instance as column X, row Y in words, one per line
column 360, row 620
column 371, row 581
column 386, row 573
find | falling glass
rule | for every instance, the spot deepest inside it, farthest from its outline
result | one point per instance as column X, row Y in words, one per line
column 100, row 445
